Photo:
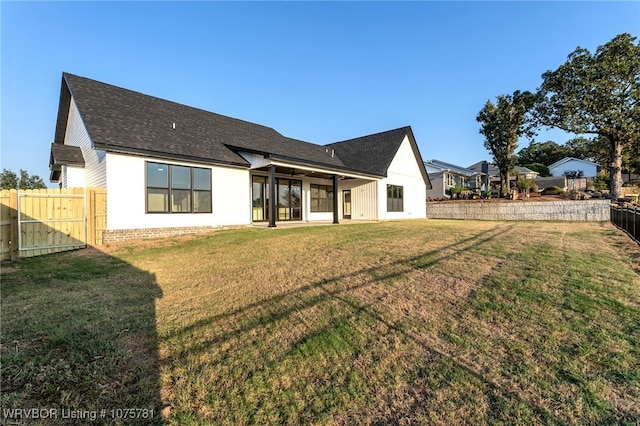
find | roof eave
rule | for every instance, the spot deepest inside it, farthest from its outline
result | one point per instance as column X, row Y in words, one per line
column 284, row 161
column 164, row 155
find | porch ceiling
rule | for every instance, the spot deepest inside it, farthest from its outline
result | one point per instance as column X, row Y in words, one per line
column 304, row 171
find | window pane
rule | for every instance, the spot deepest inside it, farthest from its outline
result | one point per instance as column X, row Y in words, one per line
column 158, row 175
column 283, row 193
column 296, row 193
column 314, row 191
column 202, row 179
column 157, row 200
column 202, row 201
column 395, row 198
column 180, row 177
column 180, row 200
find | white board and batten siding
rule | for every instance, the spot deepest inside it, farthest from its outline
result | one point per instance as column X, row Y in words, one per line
column 94, row 172
column 364, row 196
column 126, row 197
column 404, row 171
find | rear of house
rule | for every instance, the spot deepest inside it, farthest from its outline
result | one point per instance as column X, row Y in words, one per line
column 169, row 168
column 589, row 169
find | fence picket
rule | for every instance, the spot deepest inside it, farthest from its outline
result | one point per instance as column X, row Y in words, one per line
column 50, row 220
column 627, row 218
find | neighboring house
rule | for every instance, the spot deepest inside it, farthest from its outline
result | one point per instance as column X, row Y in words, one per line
column 525, row 173
column 489, row 171
column 445, row 175
column 589, row 169
column 492, row 174
column 169, row 166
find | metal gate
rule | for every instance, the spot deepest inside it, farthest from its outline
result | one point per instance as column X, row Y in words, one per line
column 50, row 222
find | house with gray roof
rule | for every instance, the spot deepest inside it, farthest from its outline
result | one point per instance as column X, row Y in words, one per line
column 444, row 176
column 172, row 167
column 491, row 173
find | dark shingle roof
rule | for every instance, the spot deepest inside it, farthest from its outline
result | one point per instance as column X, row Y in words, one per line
column 65, row 155
column 122, row 120
column 374, row 153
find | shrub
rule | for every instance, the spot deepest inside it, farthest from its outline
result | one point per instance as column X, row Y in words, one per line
column 455, row 190
column 601, row 181
column 524, row 184
column 540, row 168
column 552, row 190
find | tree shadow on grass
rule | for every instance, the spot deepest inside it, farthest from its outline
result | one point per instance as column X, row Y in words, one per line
column 230, row 335
column 79, row 341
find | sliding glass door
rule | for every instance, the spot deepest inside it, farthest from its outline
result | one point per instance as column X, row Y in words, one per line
column 289, row 196
column 289, row 199
column 260, row 199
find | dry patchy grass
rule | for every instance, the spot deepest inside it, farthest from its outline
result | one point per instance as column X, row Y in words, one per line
column 417, row 322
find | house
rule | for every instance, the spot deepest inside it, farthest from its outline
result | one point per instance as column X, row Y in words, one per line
column 492, row 174
column 444, row 176
column 589, row 169
column 170, row 168
column 525, row 173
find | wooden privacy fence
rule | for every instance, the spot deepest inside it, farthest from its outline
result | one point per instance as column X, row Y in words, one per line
column 42, row 221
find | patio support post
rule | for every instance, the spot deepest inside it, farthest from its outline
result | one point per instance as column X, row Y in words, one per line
column 335, row 199
column 272, row 196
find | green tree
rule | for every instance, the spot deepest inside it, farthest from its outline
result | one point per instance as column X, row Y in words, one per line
column 9, row 180
column 502, row 125
column 545, row 153
column 574, row 174
column 589, row 149
column 542, row 170
column 597, row 94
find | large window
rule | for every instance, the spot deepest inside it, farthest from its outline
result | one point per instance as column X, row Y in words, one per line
column 178, row 189
column 395, row 198
column 289, row 199
column 321, row 198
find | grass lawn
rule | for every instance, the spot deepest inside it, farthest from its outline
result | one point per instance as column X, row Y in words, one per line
column 411, row 322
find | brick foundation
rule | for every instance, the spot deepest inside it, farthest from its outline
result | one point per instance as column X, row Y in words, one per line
column 119, row 235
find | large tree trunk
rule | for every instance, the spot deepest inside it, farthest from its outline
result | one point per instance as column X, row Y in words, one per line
column 507, row 179
column 616, row 167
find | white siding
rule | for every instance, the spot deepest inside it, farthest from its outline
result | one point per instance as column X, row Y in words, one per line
column 404, row 171
column 588, row 170
column 307, row 215
column 364, row 195
column 126, row 194
column 256, row 160
column 94, row 169
column 74, row 177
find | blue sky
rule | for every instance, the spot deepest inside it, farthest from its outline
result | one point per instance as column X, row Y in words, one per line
column 316, row 71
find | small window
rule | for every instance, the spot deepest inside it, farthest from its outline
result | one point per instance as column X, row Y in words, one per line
column 321, row 198
column 178, row 189
column 395, row 198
